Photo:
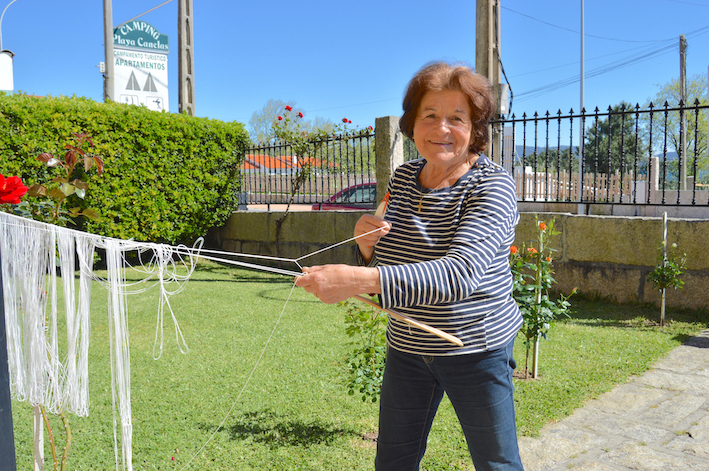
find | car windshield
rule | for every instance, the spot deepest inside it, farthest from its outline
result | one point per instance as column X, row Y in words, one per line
column 361, row 194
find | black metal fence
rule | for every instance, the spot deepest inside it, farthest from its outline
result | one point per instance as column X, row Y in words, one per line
column 629, row 155
column 269, row 172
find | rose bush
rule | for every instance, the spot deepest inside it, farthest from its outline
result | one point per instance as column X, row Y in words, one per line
column 11, row 190
column 304, row 146
column 532, row 273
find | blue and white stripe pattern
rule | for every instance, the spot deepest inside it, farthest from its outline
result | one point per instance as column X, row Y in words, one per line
column 447, row 265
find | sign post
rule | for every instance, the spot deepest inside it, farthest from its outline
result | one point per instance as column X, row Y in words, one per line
column 140, row 66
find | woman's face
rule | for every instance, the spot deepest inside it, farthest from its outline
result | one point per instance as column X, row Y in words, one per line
column 442, row 127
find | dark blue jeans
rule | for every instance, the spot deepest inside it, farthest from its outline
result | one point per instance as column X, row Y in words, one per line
column 479, row 386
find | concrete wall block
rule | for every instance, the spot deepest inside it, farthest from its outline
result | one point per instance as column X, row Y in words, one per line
column 255, row 226
column 691, row 237
column 342, row 254
column 619, row 284
column 622, row 240
column 307, row 226
column 526, row 231
column 693, row 295
column 257, row 248
column 231, row 245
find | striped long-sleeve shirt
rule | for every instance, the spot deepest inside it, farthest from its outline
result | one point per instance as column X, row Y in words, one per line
column 445, row 261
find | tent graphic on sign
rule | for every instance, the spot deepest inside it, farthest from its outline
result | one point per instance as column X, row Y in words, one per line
column 150, row 84
column 132, row 82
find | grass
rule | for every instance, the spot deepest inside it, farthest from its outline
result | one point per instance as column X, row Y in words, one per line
column 295, row 413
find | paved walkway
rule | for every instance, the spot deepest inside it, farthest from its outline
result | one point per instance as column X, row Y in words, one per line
column 658, row 421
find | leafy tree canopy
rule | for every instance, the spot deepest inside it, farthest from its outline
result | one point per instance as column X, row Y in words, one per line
column 670, row 93
column 615, row 141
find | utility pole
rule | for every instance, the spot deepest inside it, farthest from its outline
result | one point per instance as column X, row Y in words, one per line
column 185, row 58
column 682, row 114
column 108, row 76
column 582, row 207
column 487, row 59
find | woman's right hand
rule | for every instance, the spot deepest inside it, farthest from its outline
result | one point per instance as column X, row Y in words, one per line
column 369, row 223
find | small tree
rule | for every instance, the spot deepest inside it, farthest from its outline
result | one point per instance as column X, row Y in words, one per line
column 532, row 270
column 289, row 129
column 669, row 267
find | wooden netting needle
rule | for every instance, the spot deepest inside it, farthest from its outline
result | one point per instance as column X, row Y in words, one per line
column 438, row 332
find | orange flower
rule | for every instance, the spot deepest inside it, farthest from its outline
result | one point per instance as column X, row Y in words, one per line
column 548, row 259
column 531, row 250
column 513, row 249
column 542, row 226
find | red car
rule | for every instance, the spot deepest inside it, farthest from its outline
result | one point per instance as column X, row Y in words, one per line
column 362, row 196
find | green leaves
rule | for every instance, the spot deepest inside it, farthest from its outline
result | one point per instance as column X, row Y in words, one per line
column 532, row 274
column 153, row 176
column 668, row 268
column 364, row 366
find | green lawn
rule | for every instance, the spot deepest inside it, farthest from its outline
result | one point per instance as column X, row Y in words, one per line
column 295, row 413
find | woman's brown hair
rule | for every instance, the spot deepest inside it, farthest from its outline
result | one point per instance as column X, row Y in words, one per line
column 439, row 76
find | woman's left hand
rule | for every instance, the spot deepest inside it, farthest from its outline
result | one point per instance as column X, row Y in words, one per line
column 334, row 283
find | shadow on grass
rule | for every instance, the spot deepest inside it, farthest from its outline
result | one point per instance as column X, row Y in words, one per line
column 601, row 312
column 279, row 430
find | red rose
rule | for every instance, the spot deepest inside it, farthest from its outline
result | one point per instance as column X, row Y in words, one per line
column 344, row 120
column 300, row 115
column 349, row 121
column 11, row 189
column 280, row 118
column 370, row 128
column 289, row 108
column 542, row 226
column 513, row 249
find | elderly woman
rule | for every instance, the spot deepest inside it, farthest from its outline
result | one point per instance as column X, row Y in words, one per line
column 441, row 257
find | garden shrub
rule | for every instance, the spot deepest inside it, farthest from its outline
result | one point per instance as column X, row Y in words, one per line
column 168, row 177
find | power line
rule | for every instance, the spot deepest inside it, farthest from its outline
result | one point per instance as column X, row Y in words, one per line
column 690, row 3
column 625, row 62
column 145, row 13
column 591, row 59
column 595, row 72
column 578, row 32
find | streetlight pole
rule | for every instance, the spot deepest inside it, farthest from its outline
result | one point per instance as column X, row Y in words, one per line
column 1, row 16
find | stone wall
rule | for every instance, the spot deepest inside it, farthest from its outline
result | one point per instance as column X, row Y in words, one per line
column 608, row 256
column 611, row 256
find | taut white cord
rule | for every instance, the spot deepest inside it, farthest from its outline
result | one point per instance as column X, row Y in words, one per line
column 246, row 383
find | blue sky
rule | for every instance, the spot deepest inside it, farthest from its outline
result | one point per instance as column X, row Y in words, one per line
column 353, row 59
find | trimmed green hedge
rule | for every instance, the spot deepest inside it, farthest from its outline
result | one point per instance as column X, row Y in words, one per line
column 168, row 177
